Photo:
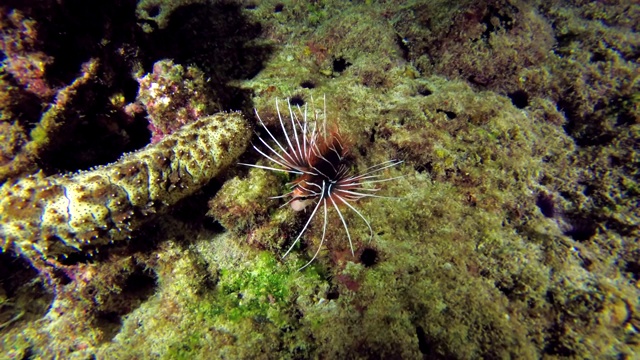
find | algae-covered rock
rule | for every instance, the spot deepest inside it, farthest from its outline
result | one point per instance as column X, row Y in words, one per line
column 511, row 228
column 242, row 204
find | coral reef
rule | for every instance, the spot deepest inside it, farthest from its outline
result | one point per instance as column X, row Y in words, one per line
column 48, row 91
column 52, row 123
column 57, row 215
column 514, row 232
column 23, row 60
column 173, row 97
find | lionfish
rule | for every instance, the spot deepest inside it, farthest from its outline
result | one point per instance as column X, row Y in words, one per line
column 319, row 159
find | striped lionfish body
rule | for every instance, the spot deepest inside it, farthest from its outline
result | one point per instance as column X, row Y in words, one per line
column 319, row 159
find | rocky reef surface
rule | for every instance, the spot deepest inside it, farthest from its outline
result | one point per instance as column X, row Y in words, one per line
column 511, row 230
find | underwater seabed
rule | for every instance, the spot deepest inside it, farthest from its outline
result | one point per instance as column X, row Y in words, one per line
column 129, row 229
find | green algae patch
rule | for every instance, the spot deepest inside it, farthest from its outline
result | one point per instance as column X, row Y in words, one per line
column 249, row 311
column 185, row 349
column 259, row 292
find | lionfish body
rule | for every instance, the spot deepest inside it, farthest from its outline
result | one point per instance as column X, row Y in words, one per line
column 319, row 159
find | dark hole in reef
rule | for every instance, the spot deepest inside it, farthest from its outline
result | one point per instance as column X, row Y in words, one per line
column 372, row 137
column 62, row 277
column 136, row 288
column 555, row 345
column 598, row 57
column 109, row 323
column 216, row 38
column 567, row 107
column 296, row 100
column 450, row 114
column 193, row 209
column 506, row 289
column 622, row 108
column 308, row 84
column 99, row 140
column 71, row 34
column 27, row 298
column 340, row 64
column 138, row 131
column 14, row 271
column 333, row 293
column 402, row 45
column 140, row 284
column 563, row 40
column 28, row 354
column 519, row 99
column 153, row 10
column 300, row 352
column 421, row 168
column 567, row 194
column 369, row 257
column 423, row 342
column 615, row 161
column 595, row 137
column 633, row 267
column 212, row 224
column 625, row 117
column 91, row 290
column 75, row 257
column 584, row 131
column 278, row 8
column 251, row 6
column 545, row 203
column 581, row 229
column 130, row 89
column 586, row 263
column 424, row 91
column 546, row 180
column 590, row 190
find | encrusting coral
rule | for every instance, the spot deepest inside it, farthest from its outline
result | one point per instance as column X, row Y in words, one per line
column 58, row 215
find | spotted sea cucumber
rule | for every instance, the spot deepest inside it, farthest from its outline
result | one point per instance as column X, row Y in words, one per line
column 45, row 217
